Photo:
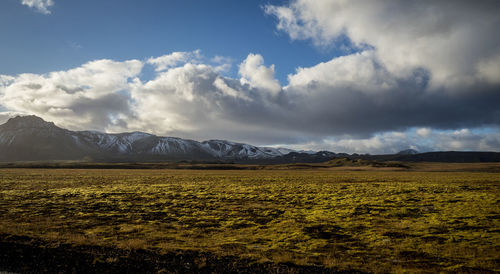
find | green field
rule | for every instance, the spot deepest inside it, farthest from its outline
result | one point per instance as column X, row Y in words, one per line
column 374, row 220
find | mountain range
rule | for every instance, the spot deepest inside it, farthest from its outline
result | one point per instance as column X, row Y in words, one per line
column 30, row 138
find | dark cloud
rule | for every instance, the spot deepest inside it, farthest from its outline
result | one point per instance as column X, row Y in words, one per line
column 69, row 90
column 33, row 86
column 104, row 111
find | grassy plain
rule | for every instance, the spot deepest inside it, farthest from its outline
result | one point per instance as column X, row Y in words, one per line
column 369, row 219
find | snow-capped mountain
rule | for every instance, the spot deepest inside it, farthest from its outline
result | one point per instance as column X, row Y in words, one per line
column 31, row 138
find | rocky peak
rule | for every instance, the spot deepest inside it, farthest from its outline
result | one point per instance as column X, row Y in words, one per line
column 30, row 121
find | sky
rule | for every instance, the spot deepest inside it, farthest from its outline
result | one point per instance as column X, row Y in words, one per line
column 346, row 76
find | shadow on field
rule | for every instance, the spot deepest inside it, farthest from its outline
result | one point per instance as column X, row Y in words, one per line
column 29, row 255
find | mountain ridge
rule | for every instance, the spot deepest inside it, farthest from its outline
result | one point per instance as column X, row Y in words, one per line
column 30, row 138
column 25, row 138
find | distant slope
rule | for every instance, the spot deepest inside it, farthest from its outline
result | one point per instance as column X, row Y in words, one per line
column 441, row 156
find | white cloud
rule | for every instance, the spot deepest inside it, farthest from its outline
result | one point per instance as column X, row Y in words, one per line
column 41, row 6
column 171, row 60
column 79, row 98
column 359, row 71
column 450, row 39
column 424, row 132
column 256, row 74
column 192, row 100
column 220, row 84
column 218, row 59
column 222, row 63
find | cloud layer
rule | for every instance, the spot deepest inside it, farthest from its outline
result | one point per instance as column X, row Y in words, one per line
column 420, row 78
column 194, row 100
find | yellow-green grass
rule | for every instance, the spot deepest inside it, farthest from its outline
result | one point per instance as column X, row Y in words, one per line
column 368, row 220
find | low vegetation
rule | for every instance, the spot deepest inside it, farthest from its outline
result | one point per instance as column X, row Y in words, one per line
column 373, row 220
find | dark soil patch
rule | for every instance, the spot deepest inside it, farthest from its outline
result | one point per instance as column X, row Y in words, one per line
column 437, row 239
column 328, row 232
column 397, row 235
column 421, row 259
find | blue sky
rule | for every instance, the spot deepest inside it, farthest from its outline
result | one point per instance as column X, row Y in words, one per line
column 78, row 31
column 369, row 76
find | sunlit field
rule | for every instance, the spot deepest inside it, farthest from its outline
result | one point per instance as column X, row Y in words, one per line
column 337, row 219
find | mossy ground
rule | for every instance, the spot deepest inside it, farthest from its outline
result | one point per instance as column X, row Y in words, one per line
column 376, row 221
